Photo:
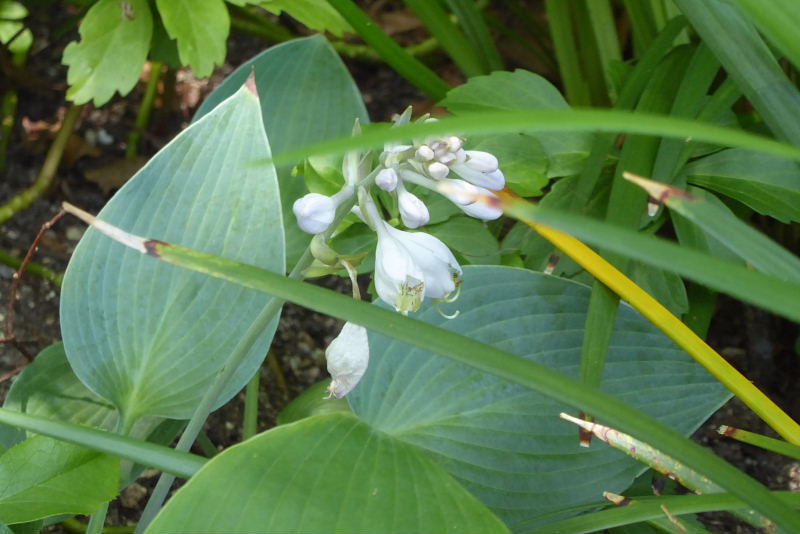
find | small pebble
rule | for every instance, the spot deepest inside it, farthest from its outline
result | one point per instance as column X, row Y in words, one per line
column 74, row 233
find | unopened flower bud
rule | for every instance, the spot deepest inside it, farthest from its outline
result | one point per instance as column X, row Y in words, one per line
column 424, row 153
column 413, row 211
column 314, row 212
column 454, row 143
column 481, row 161
column 447, row 157
column 347, row 357
column 387, row 179
column 322, row 252
column 438, row 170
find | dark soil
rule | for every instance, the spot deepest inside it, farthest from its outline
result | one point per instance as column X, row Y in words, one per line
column 759, row 344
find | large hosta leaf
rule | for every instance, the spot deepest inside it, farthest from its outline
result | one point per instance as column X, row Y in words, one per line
column 505, row 443
column 307, row 96
column 148, row 336
column 329, row 473
column 49, row 388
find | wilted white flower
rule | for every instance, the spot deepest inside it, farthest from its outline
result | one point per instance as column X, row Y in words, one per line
column 314, row 212
column 347, row 357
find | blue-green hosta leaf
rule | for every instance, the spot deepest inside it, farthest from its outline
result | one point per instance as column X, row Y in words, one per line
column 49, row 388
column 148, row 336
column 329, row 473
column 201, row 28
column 505, row 91
column 307, row 96
column 42, row 476
column 504, row 443
column 768, row 184
column 115, row 38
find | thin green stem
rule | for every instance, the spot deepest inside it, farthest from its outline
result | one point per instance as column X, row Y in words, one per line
column 48, row 171
column 477, row 32
column 78, row 527
column 250, row 424
column 34, row 268
column 145, row 109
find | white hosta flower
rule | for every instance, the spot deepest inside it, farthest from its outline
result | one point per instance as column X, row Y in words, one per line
column 347, row 357
column 386, row 179
column 482, row 210
column 412, row 266
column 438, row 170
column 413, row 211
column 481, row 161
column 494, row 180
column 314, row 212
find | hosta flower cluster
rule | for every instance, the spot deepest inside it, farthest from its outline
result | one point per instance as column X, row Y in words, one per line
column 409, row 266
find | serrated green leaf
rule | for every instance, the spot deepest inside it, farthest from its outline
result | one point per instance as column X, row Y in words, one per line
column 520, row 90
column 201, row 28
column 768, row 184
column 111, row 53
column 316, row 14
column 329, row 473
column 306, row 95
column 42, row 476
column 10, row 13
column 504, row 443
column 150, row 338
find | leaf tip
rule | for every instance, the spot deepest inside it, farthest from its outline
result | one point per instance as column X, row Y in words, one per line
column 117, row 234
column 618, row 500
column 659, row 193
column 726, row 431
column 250, row 83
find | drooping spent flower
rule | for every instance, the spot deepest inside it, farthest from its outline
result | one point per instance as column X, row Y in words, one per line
column 347, row 358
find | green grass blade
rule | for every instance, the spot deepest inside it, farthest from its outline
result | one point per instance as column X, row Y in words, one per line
column 762, row 290
column 606, row 40
column 404, row 63
column 142, row 452
column 749, row 61
column 449, row 36
column 777, row 19
column 559, row 13
column 699, row 74
column 478, row 355
column 753, row 246
column 628, row 97
column 549, row 120
column 764, row 442
column 477, row 32
column 644, row 24
column 650, row 508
